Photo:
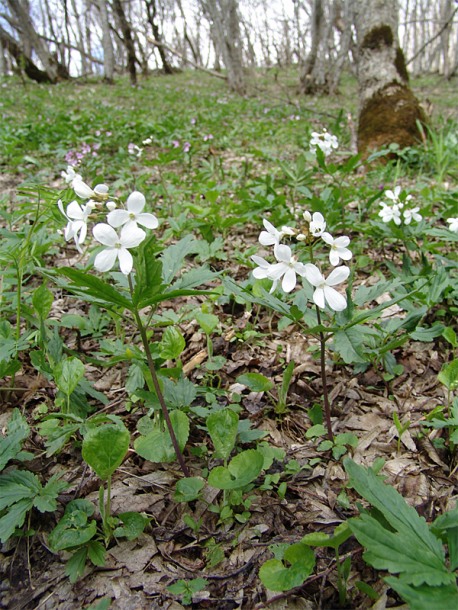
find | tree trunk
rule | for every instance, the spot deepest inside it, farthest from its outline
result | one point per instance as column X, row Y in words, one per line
column 50, row 65
column 388, row 110
column 225, row 25
column 127, row 40
column 151, row 10
column 22, row 60
column 107, row 43
column 307, row 86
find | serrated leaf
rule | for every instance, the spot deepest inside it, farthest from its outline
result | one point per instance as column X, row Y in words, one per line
column 425, row 597
column 18, row 485
column 68, row 373
column 193, row 278
column 172, row 257
column 222, row 427
column 411, row 550
column 42, row 300
column 14, row 518
column 349, row 345
column 46, row 500
column 157, row 445
column 11, row 444
column 241, row 471
column 75, row 566
column 105, row 447
column 172, row 343
column 449, row 375
column 96, row 552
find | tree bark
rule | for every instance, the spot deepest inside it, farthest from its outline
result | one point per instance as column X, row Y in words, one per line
column 107, row 43
column 225, row 25
column 151, row 10
column 22, row 60
column 127, row 40
column 388, row 111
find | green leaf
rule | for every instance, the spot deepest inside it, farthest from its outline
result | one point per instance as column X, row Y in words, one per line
column 449, row 375
column 133, row 525
column 207, row 322
column 188, row 489
column 42, row 300
column 409, row 548
column 18, row 485
column 148, row 278
column 96, row 552
column 157, row 445
column 90, row 287
column 275, row 575
column 424, row 597
column 241, row 470
column 46, row 500
column 340, row 535
column 172, row 257
column 450, row 335
column 67, row 374
column 105, row 447
column 11, row 444
column 172, row 343
column 73, row 529
column 14, row 518
column 222, row 427
column 76, row 564
column 255, row 382
column 349, row 345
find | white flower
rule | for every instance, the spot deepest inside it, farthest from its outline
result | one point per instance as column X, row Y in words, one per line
column 111, row 205
column 99, row 193
column 324, row 293
column 77, row 216
column 317, row 224
column 339, row 248
column 272, row 236
column 393, row 195
column 453, row 222
column 70, row 175
column 324, row 141
column 117, row 246
column 411, row 214
column 390, row 212
column 133, row 215
column 286, row 267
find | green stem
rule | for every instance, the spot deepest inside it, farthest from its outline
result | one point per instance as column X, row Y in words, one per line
column 327, row 406
column 157, row 387
column 108, row 508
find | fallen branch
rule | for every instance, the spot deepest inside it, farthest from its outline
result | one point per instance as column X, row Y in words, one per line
column 157, row 43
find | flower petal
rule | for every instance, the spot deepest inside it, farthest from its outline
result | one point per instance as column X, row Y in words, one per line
column 117, row 218
column 289, row 280
column 105, row 234
column 313, row 275
column 131, row 235
column 105, row 260
column 318, row 297
column 148, row 220
column 82, row 189
column 267, row 239
column 283, row 253
column 328, row 238
column 335, row 300
column 126, row 262
column 135, row 202
column 337, row 276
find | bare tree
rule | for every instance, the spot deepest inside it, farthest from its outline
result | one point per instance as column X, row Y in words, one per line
column 225, row 30
column 107, row 43
column 388, row 111
column 151, row 11
column 127, row 39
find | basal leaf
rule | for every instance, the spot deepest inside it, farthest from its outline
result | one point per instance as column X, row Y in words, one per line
column 172, row 257
column 46, row 500
column 18, row 485
column 256, row 382
column 68, row 373
column 275, row 575
column 14, row 518
column 188, row 489
column 42, row 300
column 11, row 444
column 222, row 427
column 172, row 343
column 105, row 447
column 157, row 445
column 241, row 471
column 425, row 597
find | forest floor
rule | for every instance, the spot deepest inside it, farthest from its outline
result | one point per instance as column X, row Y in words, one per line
column 220, row 191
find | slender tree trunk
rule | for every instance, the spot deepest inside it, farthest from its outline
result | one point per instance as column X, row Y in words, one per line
column 388, row 110
column 107, row 43
column 225, row 25
column 307, row 86
column 127, row 40
column 151, row 10
column 22, row 60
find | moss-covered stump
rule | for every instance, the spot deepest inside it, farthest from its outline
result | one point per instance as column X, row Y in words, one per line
column 390, row 116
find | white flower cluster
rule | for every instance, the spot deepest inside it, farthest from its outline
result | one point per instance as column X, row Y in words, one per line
column 325, row 141
column 398, row 210
column 126, row 218
column 287, row 265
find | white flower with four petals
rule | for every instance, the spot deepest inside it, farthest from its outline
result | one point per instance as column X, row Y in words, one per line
column 324, row 291
column 117, row 246
column 338, row 249
column 133, row 215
